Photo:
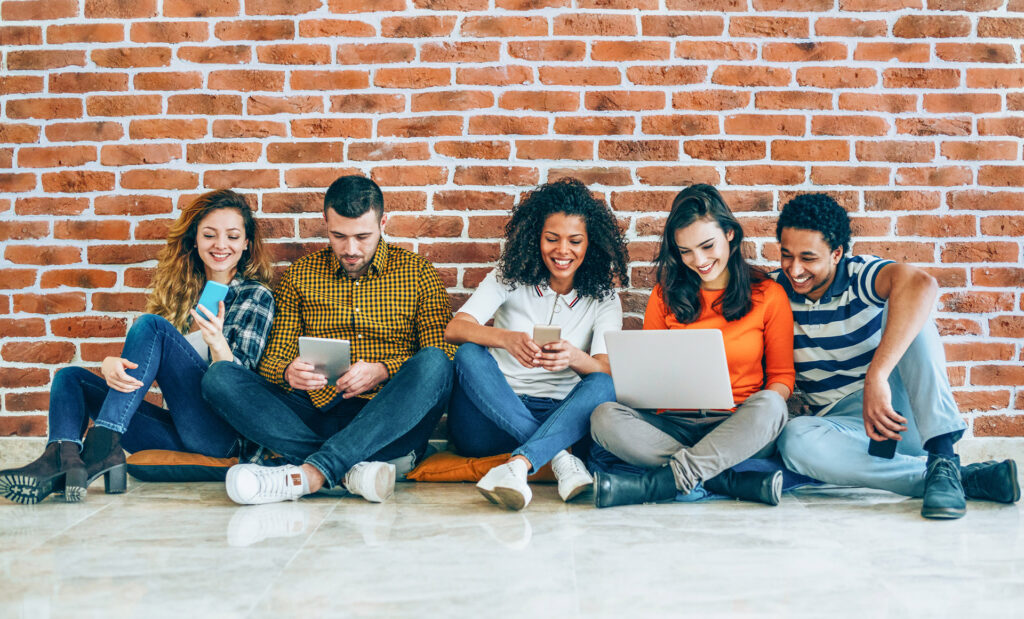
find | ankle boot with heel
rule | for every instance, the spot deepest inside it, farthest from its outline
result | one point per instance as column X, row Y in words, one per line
column 103, row 455
column 59, row 469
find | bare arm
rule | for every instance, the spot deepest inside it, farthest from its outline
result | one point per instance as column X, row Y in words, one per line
column 464, row 328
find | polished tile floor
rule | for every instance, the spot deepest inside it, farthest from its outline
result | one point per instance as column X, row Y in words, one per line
column 183, row 550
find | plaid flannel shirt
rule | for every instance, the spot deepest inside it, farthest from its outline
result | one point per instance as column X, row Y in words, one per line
column 248, row 313
column 392, row 311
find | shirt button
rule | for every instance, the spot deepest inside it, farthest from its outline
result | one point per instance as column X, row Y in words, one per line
column 357, row 309
column 357, row 283
column 359, row 336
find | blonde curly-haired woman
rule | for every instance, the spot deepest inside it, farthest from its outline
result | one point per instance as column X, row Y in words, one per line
column 214, row 239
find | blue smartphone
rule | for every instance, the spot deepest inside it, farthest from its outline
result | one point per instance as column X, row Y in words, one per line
column 213, row 294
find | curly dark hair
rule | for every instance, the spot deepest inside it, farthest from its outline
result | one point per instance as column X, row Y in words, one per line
column 605, row 264
column 819, row 212
column 679, row 284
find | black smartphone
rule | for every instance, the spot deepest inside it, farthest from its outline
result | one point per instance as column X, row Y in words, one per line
column 883, row 449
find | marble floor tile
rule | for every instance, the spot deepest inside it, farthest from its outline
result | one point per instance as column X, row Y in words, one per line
column 184, row 550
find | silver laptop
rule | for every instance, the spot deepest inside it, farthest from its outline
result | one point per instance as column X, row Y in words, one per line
column 678, row 368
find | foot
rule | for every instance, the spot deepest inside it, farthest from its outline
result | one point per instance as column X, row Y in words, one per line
column 571, row 474
column 991, row 481
column 59, row 465
column 654, row 486
column 943, row 490
column 251, row 484
column 506, row 485
column 103, row 455
column 755, row 486
column 374, row 481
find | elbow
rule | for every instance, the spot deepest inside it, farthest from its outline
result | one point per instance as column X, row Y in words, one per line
column 926, row 285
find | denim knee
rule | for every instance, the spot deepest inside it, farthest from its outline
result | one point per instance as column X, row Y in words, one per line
column 436, row 361
column 468, row 355
column 601, row 385
column 68, row 377
column 151, row 322
column 803, row 443
column 216, row 382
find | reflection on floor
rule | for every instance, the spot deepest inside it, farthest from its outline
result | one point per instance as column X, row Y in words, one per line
column 184, row 550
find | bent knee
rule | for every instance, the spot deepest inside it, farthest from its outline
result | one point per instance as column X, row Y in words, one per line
column 601, row 384
column 468, row 353
column 803, row 441
column 606, row 422
column 218, row 377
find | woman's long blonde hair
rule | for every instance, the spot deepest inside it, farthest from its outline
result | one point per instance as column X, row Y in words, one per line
column 180, row 273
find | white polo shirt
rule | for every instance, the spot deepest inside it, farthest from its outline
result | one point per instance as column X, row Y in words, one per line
column 584, row 321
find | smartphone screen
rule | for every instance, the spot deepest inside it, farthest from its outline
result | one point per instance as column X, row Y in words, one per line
column 213, row 294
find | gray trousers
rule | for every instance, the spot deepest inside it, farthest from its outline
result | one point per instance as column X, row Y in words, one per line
column 697, row 444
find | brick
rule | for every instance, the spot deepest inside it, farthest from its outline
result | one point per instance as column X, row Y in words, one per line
column 936, row 225
column 78, row 278
column 329, row 80
column 705, row 5
column 725, row 150
column 120, row 9
column 802, row 6
column 507, row 125
column 23, row 377
column 792, row 100
column 299, row 152
column 22, row 327
column 421, row 126
column 294, row 54
column 166, row 129
column 555, row 149
column 132, row 57
column 139, row 154
column 55, row 156
column 1003, row 225
column 891, row 103
column 49, row 353
column 974, row 103
column 715, row 50
column 758, row 27
column 451, row 100
column 409, row 175
column 246, row 80
column 411, row 78
column 170, row 80
column 968, row 401
column 998, row 276
column 229, row 152
column 124, row 105
column 387, row 151
column 21, row 230
column 620, row 100
column 529, row 5
column 159, row 179
column 460, row 253
column 934, row 126
column 546, row 101
column 749, row 76
column 335, row 28
column 836, row 77
column 235, row 179
column 981, row 251
column 506, row 75
column 966, row 5
column 38, row 10
column 463, row 200
column 1000, row 27
column 590, row 176
column 17, row 133
column 710, row 100
column 375, row 53
column 1008, row 176
column 986, row 200
column 21, row 35
column 548, row 51
column 1011, row 375
column 849, row 125
column 946, row 176
column 895, row 151
column 666, row 75
column 680, row 124
column 294, row 203
column 931, row 26
column 84, row 33
column 474, row 150
column 580, row 76
column 44, row 59
column 204, row 105
column 504, row 26
column 132, row 205
column 975, row 302
column 463, row 51
column 921, row 78
column 122, row 254
column 201, row 8
column 598, row 25
column 89, row 326
column 764, row 124
column 677, row 176
column 417, row 27
column 487, row 227
column 882, row 226
column 44, row 255
column 367, row 103
column 219, row 54
column 17, row 182
column 979, row 151
column 1010, row 125
column 412, row 226
column 78, row 181
column 638, row 150
column 55, row 303
column 223, row 128
column 976, row 52
column 900, row 251
column 18, row 278
column 258, row 105
column 824, row 51
column 848, row 27
column 1006, row 326
column 764, row 175
column 365, row 6
column 495, row 176
column 281, row 7
column 595, row 125
column 625, row 51
column 888, row 51
column 118, row 301
column 99, row 351
column 331, row 128
column 169, row 32
column 810, row 150
column 901, row 200
column 999, row 425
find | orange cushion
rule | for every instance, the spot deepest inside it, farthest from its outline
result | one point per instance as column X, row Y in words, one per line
column 449, row 466
column 177, row 466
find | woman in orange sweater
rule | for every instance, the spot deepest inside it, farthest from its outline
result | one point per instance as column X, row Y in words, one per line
column 705, row 283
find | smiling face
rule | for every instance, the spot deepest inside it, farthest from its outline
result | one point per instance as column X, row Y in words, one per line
column 704, row 248
column 808, row 261
column 220, row 242
column 563, row 245
column 354, row 240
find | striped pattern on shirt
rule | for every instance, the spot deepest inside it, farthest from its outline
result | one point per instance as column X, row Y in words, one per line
column 835, row 337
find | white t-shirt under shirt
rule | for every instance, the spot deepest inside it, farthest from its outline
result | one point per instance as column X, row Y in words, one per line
column 584, row 321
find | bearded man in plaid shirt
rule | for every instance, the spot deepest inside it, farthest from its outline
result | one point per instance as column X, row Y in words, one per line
column 390, row 305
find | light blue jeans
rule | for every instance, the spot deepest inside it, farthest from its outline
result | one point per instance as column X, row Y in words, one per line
column 834, row 448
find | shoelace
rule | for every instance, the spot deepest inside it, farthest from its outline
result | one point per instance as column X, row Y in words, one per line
column 274, row 483
column 942, row 468
column 569, row 466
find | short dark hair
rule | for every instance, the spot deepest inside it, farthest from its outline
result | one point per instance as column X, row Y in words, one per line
column 819, row 212
column 352, row 196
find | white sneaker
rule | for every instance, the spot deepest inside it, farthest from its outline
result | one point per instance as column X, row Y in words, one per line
column 506, row 485
column 374, row 481
column 254, row 524
column 252, row 484
column 571, row 474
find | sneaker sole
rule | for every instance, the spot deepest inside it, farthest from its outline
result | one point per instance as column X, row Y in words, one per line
column 943, row 513
column 776, row 488
column 25, row 489
column 383, row 485
column 489, row 495
column 575, row 492
column 510, row 498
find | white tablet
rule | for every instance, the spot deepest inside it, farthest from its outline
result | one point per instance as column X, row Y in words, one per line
column 329, row 357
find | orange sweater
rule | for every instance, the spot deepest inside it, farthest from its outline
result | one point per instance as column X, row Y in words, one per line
column 758, row 347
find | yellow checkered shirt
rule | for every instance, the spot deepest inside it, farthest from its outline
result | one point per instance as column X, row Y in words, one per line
column 396, row 308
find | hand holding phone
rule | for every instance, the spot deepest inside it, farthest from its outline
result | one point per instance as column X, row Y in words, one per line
column 546, row 334
column 213, row 294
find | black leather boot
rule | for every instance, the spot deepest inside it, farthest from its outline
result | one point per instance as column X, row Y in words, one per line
column 59, row 465
column 103, row 455
column 991, row 481
column 652, row 487
column 748, row 485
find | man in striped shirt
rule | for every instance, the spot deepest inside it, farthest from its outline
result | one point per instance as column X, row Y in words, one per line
column 392, row 308
column 870, row 364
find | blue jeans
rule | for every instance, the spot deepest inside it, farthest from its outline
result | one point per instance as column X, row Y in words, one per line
column 486, row 417
column 397, row 421
column 163, row 355
column 834, row 448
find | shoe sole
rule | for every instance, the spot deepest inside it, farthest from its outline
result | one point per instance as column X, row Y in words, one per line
column 1016, row 481
column 511, row 499
column 26, row 489
column 115, row 478
column 943, row 513
column 776, row 495
column 575, row 492
column 489, row 495
column 383, row 485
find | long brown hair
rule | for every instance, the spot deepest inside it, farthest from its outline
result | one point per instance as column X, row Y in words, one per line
column 180, row 273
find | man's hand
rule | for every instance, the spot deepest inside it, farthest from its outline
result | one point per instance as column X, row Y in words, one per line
column 881, row 422
column 360, row 378
column 302, row 376
column 557, row 355
column 522, row 347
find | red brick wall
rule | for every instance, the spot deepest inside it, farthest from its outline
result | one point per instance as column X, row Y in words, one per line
column 115, row 111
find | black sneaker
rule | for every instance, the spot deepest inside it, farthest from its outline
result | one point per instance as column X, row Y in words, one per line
column 992, row 481
column 943, row 490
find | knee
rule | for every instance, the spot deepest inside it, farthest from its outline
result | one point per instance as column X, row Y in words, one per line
column 150, row 322
column 434, row 363
column 604, row 422
column 69, row 376
column 468, row 354
column 771, row 408
column 217, row 379
column 802, row 441
column 601, row 386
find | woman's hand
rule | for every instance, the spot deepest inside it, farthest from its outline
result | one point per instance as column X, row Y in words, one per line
column 113, row 371
column 558, row 356
column 212, row 328
column 522, row 347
